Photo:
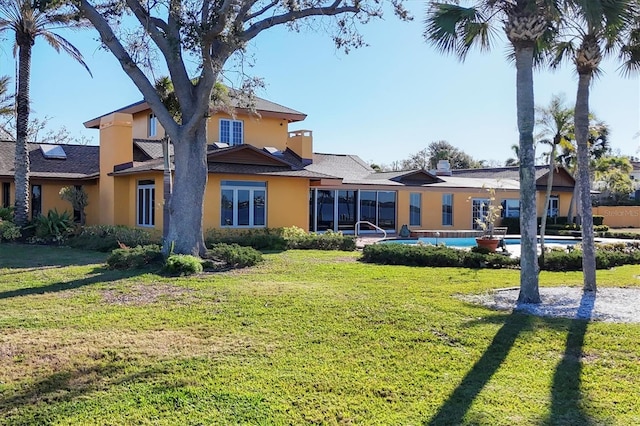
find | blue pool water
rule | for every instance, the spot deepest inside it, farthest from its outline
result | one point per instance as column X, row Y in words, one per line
column 471, row 242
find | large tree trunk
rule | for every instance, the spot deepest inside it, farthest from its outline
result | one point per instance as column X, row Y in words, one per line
column 21, row 174
column 186, row 207
column 547, row 198
column 584, row 181
column 529, row 292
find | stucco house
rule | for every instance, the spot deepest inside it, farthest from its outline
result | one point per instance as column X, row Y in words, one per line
column 261, row 174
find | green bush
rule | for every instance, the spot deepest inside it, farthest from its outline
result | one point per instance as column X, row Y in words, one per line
column 53, row 227
column 297, row 238
column 600, row 228
column 235, row 255
column 6, row 213
column 607, row 256
column 9, row 231
column 622, row 235
column 259, row 238
column 598, row 220
column 183, row 264
column 109, row 237
column 136, row 257
column 435, row 256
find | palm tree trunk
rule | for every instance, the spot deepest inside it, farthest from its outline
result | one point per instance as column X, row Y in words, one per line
column 547, row 198
column 584, row 181
column 529, row 292
column 22, row 167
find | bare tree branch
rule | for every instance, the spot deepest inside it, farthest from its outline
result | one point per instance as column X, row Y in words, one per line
column 267, row 23
column 128, row 65
column 259, row 12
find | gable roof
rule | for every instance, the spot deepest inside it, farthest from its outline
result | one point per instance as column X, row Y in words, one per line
column 82, row 162
column 262, row 106
column 505, row 172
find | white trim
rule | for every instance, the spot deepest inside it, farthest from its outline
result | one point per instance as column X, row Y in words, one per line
column 234, row 219
column 231, row 140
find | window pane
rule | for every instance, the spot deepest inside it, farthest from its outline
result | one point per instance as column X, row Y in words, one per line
column 140, row 206
column 224, row 131
column 226, row 208
column 368, row 206
column 479, row 211
column 152, row 207
column 387, row 210
column 447, row 209
column 510, row 208
column 325, row 210
column 312, row 210
column 237, row 133
column 415, row 201
column 36, row 201
column 243, row 207
column 259, row 210
column 6, row 194
column 346, row 210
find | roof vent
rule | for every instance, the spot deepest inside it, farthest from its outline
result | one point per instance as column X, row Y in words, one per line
column 53, row 152
column 220, row 145
column 444, row 168
column 273, row 151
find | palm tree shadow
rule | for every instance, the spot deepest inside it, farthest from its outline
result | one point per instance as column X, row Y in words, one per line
column 460, row 400
column 566, row 396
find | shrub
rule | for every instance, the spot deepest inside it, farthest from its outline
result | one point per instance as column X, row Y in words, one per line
column 9, row 231
column 600, row 228
column 109, row 237
column 598, row 220
column 259, row 238
column 235, row 255
column 6, row 213
column 53, row 227
column 297, row 238
column 622, row 235
column 136, row 257
column 183, row 264
column 427, row 255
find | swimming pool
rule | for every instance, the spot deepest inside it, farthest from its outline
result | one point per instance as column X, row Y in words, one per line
column 471, row 242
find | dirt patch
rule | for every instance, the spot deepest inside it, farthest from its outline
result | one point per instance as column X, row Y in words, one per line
column 149, row 293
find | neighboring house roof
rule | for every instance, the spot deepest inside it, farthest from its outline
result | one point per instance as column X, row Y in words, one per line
column 81, row 162
column 262, row 107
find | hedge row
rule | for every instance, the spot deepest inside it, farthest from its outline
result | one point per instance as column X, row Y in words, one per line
column 607, row 256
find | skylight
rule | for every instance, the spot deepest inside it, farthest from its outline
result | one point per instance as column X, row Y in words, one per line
column 273, row 151
column 55, row 152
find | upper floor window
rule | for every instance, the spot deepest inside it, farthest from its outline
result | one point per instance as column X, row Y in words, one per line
column 231, row 132
column 153, row 125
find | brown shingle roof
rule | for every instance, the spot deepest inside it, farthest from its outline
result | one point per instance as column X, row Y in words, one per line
column 82, row 162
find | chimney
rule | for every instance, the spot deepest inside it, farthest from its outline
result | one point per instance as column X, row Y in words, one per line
column 444, row 168
column 301, row 143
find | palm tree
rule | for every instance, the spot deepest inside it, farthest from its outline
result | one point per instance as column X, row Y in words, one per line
column 556, row 125
column 455, row 29
column 591, row 29
column 28, row 23
column 6, row 99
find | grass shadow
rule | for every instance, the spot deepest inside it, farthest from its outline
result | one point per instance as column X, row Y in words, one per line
column 98, row 275
column 37, row 256
column 457, row 405
column 566, row 394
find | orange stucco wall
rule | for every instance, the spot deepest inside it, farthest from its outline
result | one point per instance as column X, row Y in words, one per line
column 141, row 126
column 619, row 216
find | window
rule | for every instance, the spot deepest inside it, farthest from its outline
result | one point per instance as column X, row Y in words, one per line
column 146, row 203
column 415, row 201
column 6, row 194
column 77, row 215
column 510, row 208
column 153, row 125
column 379, row 208
column 447, row 209
column 553, row 207
column 36, row 201
column 243, row 204
column 231, row 132
column 480, row 207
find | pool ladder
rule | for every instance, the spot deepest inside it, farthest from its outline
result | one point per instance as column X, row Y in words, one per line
column 357, row 228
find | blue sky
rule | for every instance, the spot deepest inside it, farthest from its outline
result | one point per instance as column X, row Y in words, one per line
column 382, row 102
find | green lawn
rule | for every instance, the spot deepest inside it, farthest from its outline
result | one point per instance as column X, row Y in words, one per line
column 307, row 337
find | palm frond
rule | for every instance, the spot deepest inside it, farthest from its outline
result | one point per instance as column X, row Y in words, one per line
column 455, row 29
column 60, row 43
